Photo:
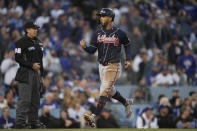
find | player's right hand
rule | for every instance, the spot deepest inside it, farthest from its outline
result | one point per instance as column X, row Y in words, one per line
column 82, row 43
column 36, row 66
column 127, row 64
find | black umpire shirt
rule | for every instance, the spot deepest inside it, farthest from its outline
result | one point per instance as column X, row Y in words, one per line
column 27, row 52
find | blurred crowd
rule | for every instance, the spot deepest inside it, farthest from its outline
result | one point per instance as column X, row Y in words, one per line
column 170, row 112
column 163, row 34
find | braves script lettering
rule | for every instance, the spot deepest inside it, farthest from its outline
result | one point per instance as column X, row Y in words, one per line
column 104, row 39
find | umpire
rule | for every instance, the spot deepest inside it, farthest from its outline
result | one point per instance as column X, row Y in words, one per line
column 29, row 53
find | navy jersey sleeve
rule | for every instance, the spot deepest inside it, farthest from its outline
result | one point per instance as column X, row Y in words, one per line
column 123, row 38
column 127, row 45
column 93, row 45
column 93, row 41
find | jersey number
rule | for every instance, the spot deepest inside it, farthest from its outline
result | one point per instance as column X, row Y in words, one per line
column 17, row 50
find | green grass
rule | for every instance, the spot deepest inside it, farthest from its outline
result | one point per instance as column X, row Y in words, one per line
column 122, row 129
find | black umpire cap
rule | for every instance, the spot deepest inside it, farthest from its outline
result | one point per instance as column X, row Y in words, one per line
column 106, row 12
column 32, row 25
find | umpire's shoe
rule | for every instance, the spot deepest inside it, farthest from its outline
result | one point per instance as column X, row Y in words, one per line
column 23, row 126
column 90, row 118
column 128, row 109
column 38, row 126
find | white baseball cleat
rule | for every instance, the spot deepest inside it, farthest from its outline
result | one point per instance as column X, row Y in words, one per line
column 90, row 118
column 128, row 109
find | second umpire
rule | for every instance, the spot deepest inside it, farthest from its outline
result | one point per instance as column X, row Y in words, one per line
column 29, row 53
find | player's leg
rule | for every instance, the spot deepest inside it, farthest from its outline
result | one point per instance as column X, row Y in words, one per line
column 108, row 76
column 116, row 95
column 105, row 88
column 90, row 118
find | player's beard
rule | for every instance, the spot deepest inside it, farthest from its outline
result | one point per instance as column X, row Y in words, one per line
column 104, row 24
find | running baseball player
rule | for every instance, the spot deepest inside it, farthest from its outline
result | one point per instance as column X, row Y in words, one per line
column 108, row 40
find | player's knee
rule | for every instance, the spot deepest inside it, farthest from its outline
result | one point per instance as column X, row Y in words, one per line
column 112, row 92
column 106, row 89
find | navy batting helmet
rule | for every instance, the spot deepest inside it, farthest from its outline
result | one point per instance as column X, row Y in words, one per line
column 106, row 12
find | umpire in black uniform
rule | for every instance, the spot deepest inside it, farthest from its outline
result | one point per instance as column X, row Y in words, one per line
column 29, row 53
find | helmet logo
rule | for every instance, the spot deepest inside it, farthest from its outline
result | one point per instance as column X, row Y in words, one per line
column 103, row 12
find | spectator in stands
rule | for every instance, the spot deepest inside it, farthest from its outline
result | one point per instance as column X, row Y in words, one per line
column 3, row 9
column 193, row 97
column 185, row 120
column 2, row 101
column 93, row 104
column 137, row 41
column 142, row 93
column 64, row 26
column 176, row 107
column 76, row 110
column 175, row 94
column 106, row 120
column 165, row 120
column 139, row 64
column 47, row 82
column 60, row 87
column 147, row 119
column 57, row 11
column 56, row 95
column 157, row 103
column 9, row 68
column 151, row 75
column 65, row 61
column 48, row 120
column 164, row 78
column 187, row 103
column 174, row 51
column 43, row 19
column 6, row 122
column 179, row 77
column 165, row 101
column 15, row 22
column 187, row 62
column 4, row 42
column 10, row 102
column 16, row 8
column 67, row 99
column 66, row 122
column 49, row 102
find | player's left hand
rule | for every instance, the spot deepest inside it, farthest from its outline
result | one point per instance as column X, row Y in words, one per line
column 82, row 43
column 127, row 64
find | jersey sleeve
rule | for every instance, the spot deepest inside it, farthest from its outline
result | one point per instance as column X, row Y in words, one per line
column 93, row 42
column 127, row 45
column 124, row 38
column 91, row 49
column 19, row 51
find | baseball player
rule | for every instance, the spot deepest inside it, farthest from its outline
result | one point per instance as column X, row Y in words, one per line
column 108, row 40
column 29, row 53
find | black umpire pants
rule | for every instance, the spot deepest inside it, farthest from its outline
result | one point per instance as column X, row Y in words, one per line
column 29, row 99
